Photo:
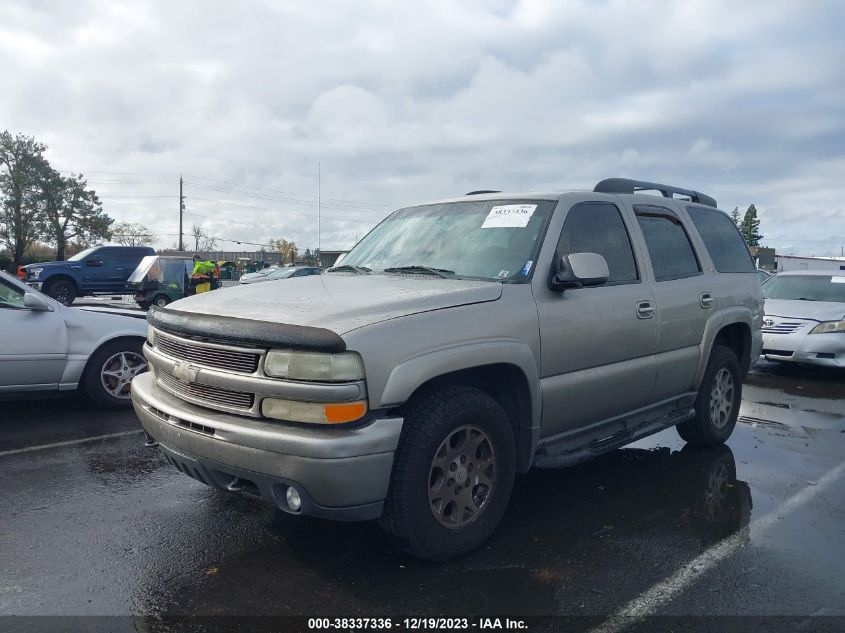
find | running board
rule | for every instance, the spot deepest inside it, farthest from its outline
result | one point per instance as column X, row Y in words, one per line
column 604, row 445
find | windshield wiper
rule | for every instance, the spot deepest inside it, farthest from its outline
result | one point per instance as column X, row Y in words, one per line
column 422, row 270
column 348, row 268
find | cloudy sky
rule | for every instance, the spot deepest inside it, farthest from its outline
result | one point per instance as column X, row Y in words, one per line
column 401, row 102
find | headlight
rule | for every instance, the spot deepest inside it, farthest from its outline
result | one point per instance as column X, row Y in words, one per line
column 34, row 272
column 314, row 366
column 313, row 412
column 829, row 327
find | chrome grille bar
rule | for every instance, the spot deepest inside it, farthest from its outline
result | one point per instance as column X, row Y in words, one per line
column 206, row 393
column 209, row 355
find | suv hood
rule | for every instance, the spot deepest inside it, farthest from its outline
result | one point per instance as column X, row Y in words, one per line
column 339, row 302
column 814, row 310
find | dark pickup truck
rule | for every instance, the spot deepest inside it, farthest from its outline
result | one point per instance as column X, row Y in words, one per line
column 98, row 270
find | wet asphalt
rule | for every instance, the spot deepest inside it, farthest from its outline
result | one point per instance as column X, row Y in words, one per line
column 105, row 526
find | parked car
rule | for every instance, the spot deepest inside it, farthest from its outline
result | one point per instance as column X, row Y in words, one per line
column 98, row 270
column 287, row 272
column 764, row 275
column 805, row 318
column 248, row 277
column 458, row 343
column 45, row 346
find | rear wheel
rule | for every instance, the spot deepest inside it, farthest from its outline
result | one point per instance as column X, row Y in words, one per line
column 452, row 474
column 161, row 301
column 718, row 400
column 110, row 371
column 62, row 290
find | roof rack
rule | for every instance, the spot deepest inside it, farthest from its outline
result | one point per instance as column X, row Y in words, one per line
column 626, row 185
column 480, row 191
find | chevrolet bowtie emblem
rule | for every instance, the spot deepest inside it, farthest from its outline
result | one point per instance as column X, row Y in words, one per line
column 185, row 373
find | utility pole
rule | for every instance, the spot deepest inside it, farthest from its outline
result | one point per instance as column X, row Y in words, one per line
column 319, row 256
column 181, row 209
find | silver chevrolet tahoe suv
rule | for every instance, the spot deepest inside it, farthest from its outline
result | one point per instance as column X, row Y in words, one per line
column 459, row 343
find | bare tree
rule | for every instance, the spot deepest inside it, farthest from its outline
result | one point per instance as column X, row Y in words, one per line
column 202, row 240
column 132, row 234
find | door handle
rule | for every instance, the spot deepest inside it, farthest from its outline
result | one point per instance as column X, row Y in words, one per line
column 706, row 300
column 118, row 269
column 645, row 310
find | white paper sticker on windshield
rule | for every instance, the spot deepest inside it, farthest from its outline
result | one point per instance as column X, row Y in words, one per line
column 837, row 280
column 509, row 216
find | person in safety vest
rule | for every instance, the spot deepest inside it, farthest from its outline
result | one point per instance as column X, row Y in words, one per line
column 203, row 273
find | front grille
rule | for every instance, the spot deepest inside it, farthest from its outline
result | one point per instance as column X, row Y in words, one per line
column 217, row 357
column 784, row 327
column 206, row 394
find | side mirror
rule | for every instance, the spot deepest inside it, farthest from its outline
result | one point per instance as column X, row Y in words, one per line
column 36, row 303
column 579, row 270
column 94, row 262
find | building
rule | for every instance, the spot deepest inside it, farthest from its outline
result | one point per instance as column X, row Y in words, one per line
column 330, row 258
column 790, row 262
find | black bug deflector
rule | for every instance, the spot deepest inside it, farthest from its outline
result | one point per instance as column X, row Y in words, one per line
column 245, row 331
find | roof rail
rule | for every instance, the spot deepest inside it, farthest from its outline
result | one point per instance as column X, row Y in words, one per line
column 626, row 185
column 480, row 191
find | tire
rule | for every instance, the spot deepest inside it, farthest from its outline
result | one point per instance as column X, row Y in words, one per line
column 161, row 301
column 62, row 290
column 109, row 372
column 717, row 403
column 144, row 305
column 420, row 511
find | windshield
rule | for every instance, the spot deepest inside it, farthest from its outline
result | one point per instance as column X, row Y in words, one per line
column 495, row 240
column 806, row 287
column 82, row 254
column 281, row 273
column 143, row 268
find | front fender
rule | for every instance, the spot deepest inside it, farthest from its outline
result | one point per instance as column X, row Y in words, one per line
column 413, row 373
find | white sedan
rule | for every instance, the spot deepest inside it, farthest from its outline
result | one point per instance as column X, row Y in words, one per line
column 45, row 346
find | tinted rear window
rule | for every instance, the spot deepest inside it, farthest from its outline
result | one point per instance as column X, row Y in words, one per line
column 669, row 248
column 724, row 243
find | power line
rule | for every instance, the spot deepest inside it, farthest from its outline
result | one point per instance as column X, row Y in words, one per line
column 290, row 200
column 288, row 193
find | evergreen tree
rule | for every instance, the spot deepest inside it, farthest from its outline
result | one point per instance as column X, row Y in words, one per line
column 750, row 227
column 735, row 215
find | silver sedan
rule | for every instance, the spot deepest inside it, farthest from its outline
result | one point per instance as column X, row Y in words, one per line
column 804, row 318
column 45, row 346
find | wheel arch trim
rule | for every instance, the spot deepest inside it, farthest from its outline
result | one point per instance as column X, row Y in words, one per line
column 409, row 376
column 715, row 325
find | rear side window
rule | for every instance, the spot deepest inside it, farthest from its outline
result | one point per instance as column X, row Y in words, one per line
column 721, row 237
column 597, row 227
column 669, row 247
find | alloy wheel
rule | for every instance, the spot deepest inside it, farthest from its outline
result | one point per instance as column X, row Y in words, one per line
column 721, row 398
column 117, row 373
column 462, row 477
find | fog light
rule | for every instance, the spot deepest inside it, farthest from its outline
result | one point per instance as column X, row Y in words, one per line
column 293, row 499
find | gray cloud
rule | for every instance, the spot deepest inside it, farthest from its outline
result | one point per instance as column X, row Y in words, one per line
column 404, row 102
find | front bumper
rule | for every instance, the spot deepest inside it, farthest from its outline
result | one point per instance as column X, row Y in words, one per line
column 827, row 350
column 340, row 473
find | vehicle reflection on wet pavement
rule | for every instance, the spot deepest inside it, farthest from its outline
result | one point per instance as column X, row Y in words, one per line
column 107, row 527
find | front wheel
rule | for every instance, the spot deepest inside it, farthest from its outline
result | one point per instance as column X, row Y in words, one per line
column 61, row 290
column 161, row 301
column 110, row 371
column 717, row 403
column 452, row 474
